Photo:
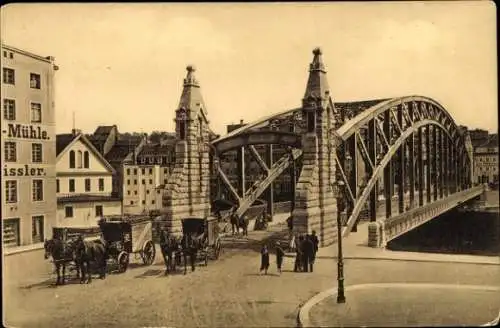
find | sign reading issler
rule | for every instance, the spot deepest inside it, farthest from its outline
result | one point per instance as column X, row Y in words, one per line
column 23, row 131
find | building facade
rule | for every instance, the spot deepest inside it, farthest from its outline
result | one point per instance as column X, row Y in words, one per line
column 145, row 180
column 84, row 183
column 486, row 161
column 28, row 147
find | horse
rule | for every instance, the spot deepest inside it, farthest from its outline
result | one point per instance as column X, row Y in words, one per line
column 62, row 254
column 243, row 224
column 90, row 251
column 169, row 246
column 189, row 246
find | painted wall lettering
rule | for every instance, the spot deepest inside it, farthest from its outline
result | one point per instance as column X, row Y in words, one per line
column 26, row 132
column 25, row 171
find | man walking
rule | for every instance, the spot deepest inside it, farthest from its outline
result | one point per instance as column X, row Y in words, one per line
column 315, row 242
column 279, row 256
column 298, row 254
column 308, row 250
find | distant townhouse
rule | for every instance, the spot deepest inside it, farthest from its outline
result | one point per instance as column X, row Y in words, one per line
column 486, row 160
column 144, row 181
column 84, row 183
column 28, row 145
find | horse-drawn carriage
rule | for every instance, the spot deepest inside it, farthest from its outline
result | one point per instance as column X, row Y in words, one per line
column 205, row 233
column 128, row 235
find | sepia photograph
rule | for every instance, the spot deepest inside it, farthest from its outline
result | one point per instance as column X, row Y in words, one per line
column 261, row 164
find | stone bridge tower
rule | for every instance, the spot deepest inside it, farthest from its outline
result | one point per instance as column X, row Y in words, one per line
column 187, row 191
column 315, row 203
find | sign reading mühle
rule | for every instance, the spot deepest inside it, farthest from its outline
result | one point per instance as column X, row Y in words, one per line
column 25, row 131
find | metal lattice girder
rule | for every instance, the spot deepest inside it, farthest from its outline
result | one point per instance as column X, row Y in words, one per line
column 255, row 154
column 261, row 185
column 379, row 169
column 228, row 184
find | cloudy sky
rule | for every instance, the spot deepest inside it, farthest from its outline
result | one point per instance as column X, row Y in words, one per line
column 124, row 63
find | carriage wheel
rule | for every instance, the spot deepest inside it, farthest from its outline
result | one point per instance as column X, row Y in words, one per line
column 123, row 259
column 148, row 253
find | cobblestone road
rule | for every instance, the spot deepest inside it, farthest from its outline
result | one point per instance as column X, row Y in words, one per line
column 227, row 293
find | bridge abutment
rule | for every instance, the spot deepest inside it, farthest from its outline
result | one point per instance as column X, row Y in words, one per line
column 188, row 190
column 315, row 203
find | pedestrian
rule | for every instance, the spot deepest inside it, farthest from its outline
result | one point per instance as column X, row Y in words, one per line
column 234, row 223
column 298, row 255
column 279, row 256
column 289, row 222
column 264, row 259
column 315, row 242
column 308, row 251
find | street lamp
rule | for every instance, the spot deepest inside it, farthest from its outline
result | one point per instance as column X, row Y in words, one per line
column 340, row 186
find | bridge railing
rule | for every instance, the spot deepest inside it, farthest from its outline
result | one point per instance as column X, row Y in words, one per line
column 390, row 228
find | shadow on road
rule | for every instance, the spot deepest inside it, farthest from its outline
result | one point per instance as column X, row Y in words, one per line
column 50, row 283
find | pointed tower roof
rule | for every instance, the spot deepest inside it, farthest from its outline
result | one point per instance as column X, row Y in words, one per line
column 317, row 84
column 191, row 94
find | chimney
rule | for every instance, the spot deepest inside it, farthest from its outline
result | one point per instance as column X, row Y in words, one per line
column 76, row 131
column 241, row 121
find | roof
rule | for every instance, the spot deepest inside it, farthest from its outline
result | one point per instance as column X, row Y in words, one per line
column 119, row 152
column 156, row 149
column 62, row 141
column 353, row 108
column 87, row 198
column 104, row 129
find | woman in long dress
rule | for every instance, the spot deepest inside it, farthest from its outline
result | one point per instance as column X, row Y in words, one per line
column 264, row 259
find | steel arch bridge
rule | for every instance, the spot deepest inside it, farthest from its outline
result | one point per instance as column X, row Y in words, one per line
column 398, row 162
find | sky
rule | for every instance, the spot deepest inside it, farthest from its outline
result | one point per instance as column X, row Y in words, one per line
column 124, row 64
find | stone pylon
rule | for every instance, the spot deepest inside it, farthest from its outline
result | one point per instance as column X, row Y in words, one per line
column 315, row 202
column 187, row 192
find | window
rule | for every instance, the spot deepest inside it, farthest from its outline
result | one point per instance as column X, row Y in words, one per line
column 10, row 152
column 143, row 181
column 150, row 171
column 143, row 202
column 9, row 109
column 152, row 202
column 98, row 210
column 68, row 211
column 79, row 159
column 5, row 54
column 135, row 181
column 36, row 112
column 11, row 55
column 128, row 171
column 150, row 181
column 87, row 184
column 131, row 202
column 158, row 191
column 128, row 192
column 34, row 81
column 72, row 159
column 71, row 185
column 135, row 171
column 11, row 191
column 86, row 160
column 147, row 191
column 9, row 76
column 101, row 184
column 165, row 171
column 143, row 171
column 36, row 153
column 57, row 185
column 37, row 229
column 135, row 192
column 128, row 181
column 37, row 191
column 165, row 181
column 11, row 236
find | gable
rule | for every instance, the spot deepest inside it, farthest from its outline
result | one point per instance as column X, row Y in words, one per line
column 97, row 164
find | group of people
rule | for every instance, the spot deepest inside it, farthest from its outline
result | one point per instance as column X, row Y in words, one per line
column 306, row 248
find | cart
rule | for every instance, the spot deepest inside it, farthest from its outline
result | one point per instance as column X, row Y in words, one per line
column 206, row 230
column 125, row 235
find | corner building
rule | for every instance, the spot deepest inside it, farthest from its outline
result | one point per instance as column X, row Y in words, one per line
column 28, row 147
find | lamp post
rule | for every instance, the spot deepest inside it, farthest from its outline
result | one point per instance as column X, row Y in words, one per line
column 340, row 259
